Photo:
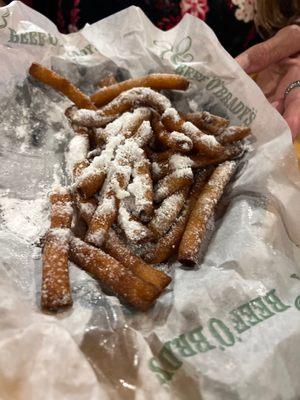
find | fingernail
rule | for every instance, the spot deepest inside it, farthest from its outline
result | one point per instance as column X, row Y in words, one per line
column 244, row 61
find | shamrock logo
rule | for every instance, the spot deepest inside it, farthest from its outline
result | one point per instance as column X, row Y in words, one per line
column 178, row 53
column 3, row 22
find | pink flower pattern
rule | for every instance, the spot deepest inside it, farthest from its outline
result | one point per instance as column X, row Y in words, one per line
column 198, row 8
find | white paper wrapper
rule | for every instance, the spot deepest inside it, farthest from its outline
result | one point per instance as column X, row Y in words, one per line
column 229, row 329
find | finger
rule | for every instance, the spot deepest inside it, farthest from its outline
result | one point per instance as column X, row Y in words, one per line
column 284, row 44
column 291, row 111
column 279, row 105
column 291, row 75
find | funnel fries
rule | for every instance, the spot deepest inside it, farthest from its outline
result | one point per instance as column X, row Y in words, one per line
column 146, row 180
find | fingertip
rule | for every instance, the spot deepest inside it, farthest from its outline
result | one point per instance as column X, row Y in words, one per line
column 294, row 124
column 278, row 105
column 244, row 61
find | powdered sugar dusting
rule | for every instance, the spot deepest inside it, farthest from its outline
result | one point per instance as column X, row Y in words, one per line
column 171, row 113
column 78, row 149
column 139, row 187
column 28, row 219
column 134, row 230
column 142, row 96
column 172, row 182
column 143, row 134
column 166, row 213
column 189, row 128
column 178, row 161
column 90, row 118
column 209, row 140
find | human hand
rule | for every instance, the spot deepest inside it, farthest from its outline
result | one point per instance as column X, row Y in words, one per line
column 277, row 62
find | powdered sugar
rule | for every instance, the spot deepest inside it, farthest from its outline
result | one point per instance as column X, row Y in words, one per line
column 138, row 188
column 222, row 174
column 209, row 140
column 134, row 230
column 143, row 134
column 182, row 173
column 59, row 189
column 178, row 161
column 165, row 215
column 78, row 149
column 143, row 96
column 106, row 206
column 156, row 168
column 91, row 118
column 171, row 113
column 28, row 219
column 171, row 183
column 86, row 207
column 189, row 128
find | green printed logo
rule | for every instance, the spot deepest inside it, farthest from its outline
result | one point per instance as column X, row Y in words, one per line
column 177, row 53
column 87, row 50
column 3, row 22
column 32, row 38
column 217, row 87
column 216, row 334
column 297, row 303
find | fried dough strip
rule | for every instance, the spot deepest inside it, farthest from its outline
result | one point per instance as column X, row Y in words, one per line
column 208, row 122
column 56, row 291
column 143, row 134
column 155, row 81
column 96, row 119
column 90, row 181
column 134, row 230
column 172, row 182
column 204, row 207
column 168, row 244
column 91, row 118
column 103, row 218
column 142, row 188
column 86, row 207
column 62, row 85
column 78, row 151
column 137, row 97
column 231, row 151
column 61, row 208
column 162, row 156
column 233, row 134
column 117, row 249
column 159, row 170
column 113, row 275
column 118, row 180
column 176, row 141
column 205, row 144
column 167, row 212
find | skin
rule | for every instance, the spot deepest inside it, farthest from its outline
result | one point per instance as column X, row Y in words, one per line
column 277, row 63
